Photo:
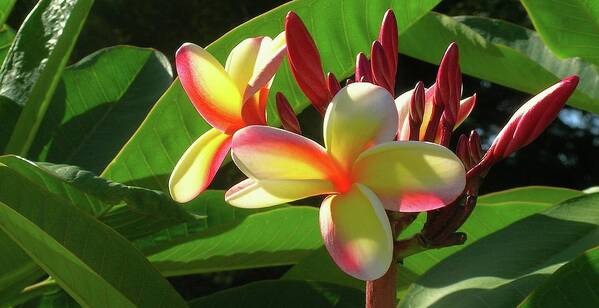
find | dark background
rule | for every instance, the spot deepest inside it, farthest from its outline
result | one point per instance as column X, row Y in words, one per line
column 564, row 155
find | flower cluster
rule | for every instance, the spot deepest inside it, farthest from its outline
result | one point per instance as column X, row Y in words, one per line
column 381, row 156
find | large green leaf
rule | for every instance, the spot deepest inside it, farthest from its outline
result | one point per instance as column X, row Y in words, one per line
column 529, row 43
column 340, row 29
column 134, row 212
column 5, row 8
column 92, row 262
column 510, row 64
column 500, row 269
column 7, row 35
column 280, row 293
column 33, row 67
column 493, row 212
column 572, row 285
column 277, row 237
column 98, row 104
column 569, row 27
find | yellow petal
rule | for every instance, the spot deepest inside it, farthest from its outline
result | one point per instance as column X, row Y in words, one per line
column 361, row 115
column 414, row 176
column 198, row 165
column 257, row 194
column 212, row 92
column 357, row 233
column 241, row 62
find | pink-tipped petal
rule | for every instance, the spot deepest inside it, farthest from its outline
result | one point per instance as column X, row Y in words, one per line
column 198, row 165
column 402, row 103
column 267, row 153
column 252, row 193
column 361, row 115
column 410, row 173
column 213, row 93
column 466, row 107
column 357, row 233
column 270, row 57
column 305, row 62
column 287, row 115
column 532, row 118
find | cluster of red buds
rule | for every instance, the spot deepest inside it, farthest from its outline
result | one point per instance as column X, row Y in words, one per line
column 426, row 114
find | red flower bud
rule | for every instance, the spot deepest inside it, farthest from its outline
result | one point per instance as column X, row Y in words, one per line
column 388, row 39
column 333, row 84
column 448, row 86
column 416, row 110
column 288, row 119
column 528, row 123
column 305, row 62
column 378, row 63
column 363, row 73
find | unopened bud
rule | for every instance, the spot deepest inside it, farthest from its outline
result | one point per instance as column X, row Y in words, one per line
column 288, row 119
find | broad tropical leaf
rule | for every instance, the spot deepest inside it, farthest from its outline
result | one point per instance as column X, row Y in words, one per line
column 280, row 293
column 510, row 65
column 98, row 104
column 572, row 285
column 92, row 262
column 268, row 238
column 569, row 27
column 33, row 67
column 506, row 265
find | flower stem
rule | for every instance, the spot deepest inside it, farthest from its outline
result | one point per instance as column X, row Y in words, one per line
column 381, row 293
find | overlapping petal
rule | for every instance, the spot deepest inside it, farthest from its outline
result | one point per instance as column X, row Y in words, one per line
column 357, row 233
column 213, row 93
column 411, row 176
column 198, row 165
column 252, row 193
column 402, row 104
column 241, row 61
column 267, row 153
column 361, row 115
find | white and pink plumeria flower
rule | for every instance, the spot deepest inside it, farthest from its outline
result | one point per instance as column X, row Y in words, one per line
column 361, row 169
column 228, row 98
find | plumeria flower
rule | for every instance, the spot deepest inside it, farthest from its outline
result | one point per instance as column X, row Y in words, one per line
column 361, row 169
column 228, row 98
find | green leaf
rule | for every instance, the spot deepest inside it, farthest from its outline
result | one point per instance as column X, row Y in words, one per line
column 33, row 67
column 529, row 43
column 572, row 285
column 340, row 30
column 569, row 27
column 92, row 262
column 5, row 9
column 493, row 212
column 281, row 293
column 7, row 35
column 98, row 104
column 509, row 64
column 132, row 211
column 500, row 269
column 277, row 237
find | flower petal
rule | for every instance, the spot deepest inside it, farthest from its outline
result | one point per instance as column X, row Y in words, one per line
column 361, row 115
column 198, row 165
column 416, row 176
column 402, row 104
column 357, row 233
column 210, row 89
column 270, row 56
column 241, row 62
column 466, row 107
column 267, row 153
column 252, row 193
